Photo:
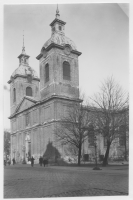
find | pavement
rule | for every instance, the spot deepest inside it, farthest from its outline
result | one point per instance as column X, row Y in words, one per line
column 24, row 181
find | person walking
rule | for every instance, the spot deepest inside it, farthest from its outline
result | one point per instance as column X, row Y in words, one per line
column 40, row 161
column 4, row 162
column 32, row 161
column 13, row 160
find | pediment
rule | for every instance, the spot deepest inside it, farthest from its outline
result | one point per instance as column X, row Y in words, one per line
column 25, row 103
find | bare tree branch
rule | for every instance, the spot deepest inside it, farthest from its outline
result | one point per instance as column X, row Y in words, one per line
column 108, row 105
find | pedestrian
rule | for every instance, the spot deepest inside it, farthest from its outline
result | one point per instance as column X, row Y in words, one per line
column 4, row 162
column 32, row 161
column 13, row 160
column 9, row 162
column 40, row 160
column 44, row 162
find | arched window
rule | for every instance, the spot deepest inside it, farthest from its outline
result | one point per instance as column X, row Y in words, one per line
column 66, row 71
column 47, row 72
column 29, row 91
column 14, row 95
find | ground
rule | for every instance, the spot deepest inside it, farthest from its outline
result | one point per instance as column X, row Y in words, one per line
column 24, row 181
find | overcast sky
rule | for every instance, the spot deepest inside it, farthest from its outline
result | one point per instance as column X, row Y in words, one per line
column 100, row 32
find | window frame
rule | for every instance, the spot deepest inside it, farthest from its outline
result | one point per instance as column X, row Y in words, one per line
column 30, row 91
column 46, row 73
column 14, row 95
column 27, row 119
column 66, row 75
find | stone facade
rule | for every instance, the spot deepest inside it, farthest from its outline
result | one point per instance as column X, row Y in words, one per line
column 56, row 85
column 34, row 117
column 20, row 84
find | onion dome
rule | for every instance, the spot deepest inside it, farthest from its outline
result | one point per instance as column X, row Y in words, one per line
column 60, row 39
column 24, row 71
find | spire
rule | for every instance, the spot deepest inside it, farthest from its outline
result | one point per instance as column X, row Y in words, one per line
column 23, row 47
column 57, row 13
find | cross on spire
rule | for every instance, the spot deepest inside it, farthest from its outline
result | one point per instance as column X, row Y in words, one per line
column 57, row 13
column 23, row 47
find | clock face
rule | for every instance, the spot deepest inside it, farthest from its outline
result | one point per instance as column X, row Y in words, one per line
column 67, row 50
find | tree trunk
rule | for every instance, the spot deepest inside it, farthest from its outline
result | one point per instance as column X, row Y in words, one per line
column 79, row 155
column 105, row 160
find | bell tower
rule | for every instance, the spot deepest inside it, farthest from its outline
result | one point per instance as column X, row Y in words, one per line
column 58, row 60
column 23, row 82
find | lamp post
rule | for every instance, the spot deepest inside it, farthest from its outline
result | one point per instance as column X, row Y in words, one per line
column 95, row 144
column 23, row 149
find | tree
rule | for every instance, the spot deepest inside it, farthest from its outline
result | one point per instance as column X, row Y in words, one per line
column 108, row 105
column 72, row 130
column 6, row 142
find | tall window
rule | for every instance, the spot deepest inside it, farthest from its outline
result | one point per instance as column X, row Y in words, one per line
column 66, row 71
column 14, row 95
column 27, row 119
column 91, row 135
column 29, row 91
column 47, row 72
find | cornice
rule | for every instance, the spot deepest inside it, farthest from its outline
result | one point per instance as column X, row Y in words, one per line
column 46, row 100
column 22, row 76
column 52, row 45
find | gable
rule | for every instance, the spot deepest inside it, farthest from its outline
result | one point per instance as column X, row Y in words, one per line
column 25, row 104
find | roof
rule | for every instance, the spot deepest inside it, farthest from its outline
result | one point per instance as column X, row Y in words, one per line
column 57, row 20
column 24, row 71
column 30, row 99
column 60, row 39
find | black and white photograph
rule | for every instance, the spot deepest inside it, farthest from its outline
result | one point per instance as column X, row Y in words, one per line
column 66, row 100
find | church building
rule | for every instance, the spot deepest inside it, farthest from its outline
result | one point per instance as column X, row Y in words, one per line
column 38, row 103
